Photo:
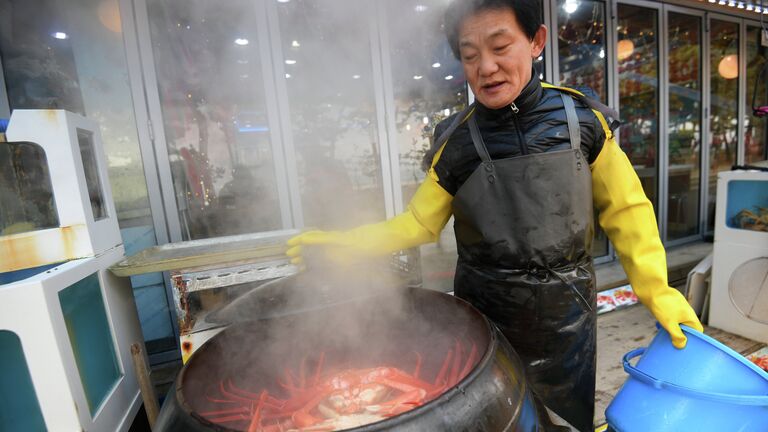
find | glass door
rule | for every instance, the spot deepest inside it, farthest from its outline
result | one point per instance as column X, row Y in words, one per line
column 637, row 52
column 224, row 164
column 724, row 71
column 684, row 107
column 756, row 128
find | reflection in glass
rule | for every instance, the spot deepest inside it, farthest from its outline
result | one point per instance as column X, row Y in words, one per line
column 72, row 56
column 684, row 125
column 581, row 50
column 326, row 49
column 638, row 56
column 756, row 129
column 212, row 95
column 91, row 171
column 428, row 82
column 724, row 113
column 581, row 45
column 26, row 192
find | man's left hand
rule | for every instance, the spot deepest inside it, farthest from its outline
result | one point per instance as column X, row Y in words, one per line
column 671, row 309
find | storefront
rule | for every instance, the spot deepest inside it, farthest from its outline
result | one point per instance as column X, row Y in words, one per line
column 224, row 118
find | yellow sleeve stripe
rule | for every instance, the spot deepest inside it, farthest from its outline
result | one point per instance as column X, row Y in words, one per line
column 566, row 89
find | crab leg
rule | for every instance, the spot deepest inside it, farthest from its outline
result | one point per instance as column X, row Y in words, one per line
column 255, row 425
column 470, row 362
column 441, row 375
column 417, row 369
column 238, row 410
column 454, row 378
column 316, row 378
column 227, row 419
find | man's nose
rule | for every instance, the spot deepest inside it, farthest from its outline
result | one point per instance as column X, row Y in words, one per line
column 488, row 65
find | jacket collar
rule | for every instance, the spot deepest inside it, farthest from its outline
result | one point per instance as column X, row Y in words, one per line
column 525, row 102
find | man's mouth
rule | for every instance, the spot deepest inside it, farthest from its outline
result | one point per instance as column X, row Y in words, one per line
column 493, row 85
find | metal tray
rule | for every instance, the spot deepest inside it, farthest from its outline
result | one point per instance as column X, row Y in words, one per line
column 206, row 253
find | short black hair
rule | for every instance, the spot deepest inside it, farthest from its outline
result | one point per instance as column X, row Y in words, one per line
column 527, row 12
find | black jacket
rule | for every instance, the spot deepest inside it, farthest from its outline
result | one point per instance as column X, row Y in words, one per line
column 540, row 124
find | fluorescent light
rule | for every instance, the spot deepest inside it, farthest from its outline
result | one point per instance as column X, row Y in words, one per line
column 355, row 76
column 290, row 62
column 241, row 41
column 417, row 77
column 570, row 6
column 287, row 75
column 449, row 77
column 420, row 8
column 295, row 44
column 60, row 35
column 436, row 65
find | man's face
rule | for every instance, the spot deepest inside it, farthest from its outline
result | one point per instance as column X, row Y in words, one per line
column 497, row 55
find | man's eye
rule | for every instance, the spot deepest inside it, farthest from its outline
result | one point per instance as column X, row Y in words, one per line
column 501, row 48
column 468, row 57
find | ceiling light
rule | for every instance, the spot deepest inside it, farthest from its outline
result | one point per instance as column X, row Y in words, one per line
column 436, row 65
column 355, row 76
column 241, row 41
column 287, row 75
column 290, row 62
column 417, row 77
column 570, row 6
column 420, row 8
column 60, row 35
column 295, row 44
column 449, row 77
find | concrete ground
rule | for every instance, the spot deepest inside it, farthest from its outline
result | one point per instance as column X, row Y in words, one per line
column 619, row 331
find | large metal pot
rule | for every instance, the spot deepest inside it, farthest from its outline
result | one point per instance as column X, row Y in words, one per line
column 382, row 329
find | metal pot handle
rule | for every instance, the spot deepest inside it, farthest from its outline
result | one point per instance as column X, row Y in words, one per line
column 664, row 385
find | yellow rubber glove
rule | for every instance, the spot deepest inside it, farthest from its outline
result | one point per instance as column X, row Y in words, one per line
column 628, row 218
column 427, row 214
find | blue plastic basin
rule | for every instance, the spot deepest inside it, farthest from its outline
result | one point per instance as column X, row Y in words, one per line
column 704, row 387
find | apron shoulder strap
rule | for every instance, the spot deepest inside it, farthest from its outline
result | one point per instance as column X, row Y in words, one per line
column 458, row 120
column 574, row 130
column 477, row 140
column 610, row 114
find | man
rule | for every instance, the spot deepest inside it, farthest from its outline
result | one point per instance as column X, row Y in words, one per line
column 520, row 171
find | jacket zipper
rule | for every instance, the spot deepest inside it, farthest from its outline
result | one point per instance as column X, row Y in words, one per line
column 520, row 135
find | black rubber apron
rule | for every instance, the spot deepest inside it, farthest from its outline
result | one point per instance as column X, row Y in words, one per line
column 524, row 228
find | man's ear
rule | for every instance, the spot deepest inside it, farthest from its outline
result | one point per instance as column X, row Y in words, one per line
column 539, row 41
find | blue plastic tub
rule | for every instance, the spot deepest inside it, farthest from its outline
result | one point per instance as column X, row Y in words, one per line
column 704, row 387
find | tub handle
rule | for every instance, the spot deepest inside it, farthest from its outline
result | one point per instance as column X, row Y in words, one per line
column 641, row 376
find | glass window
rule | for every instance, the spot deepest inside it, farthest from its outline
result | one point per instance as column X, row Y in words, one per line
column 327, row 58
column 724, row 104
column 428, row 82
column 214, row 112
column 756, row 128
column 19, row 407
column 82, row 306
column 581, row 45
column 638, row 58
column 72, row 57
column 684, row 89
